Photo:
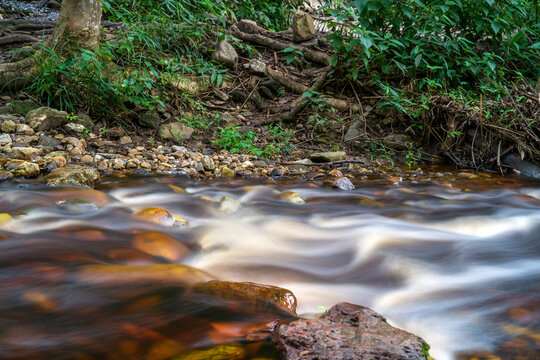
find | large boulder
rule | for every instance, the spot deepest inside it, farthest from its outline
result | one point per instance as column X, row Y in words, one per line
column 303, row 27
column 45, row 118
column 175, row 131
column 348, row 331
column 72, row 176
column 226, row 54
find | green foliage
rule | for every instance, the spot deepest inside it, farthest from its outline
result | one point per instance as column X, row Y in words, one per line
column 293, row 56
column 378, row 150
column 86, row 81
column 413, row 156
column 442, row 43
column 237, row 141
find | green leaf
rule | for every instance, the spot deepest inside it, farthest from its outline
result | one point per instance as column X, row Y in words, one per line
column 360, row 5
column 492, row 65
column 496, row 27
column 490, row 2
column 417, row 60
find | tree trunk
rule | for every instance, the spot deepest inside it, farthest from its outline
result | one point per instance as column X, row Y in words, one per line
column 77, row 27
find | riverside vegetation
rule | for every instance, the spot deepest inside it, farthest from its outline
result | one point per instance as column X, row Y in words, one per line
column 415, row 81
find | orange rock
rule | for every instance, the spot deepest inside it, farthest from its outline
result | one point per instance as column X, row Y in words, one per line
column 131, row 257
column 164, row 349
column 156, row 216
column 159, row 244
column 41, row 300
column 260, row 296
column 89, row 235
column 114, row 275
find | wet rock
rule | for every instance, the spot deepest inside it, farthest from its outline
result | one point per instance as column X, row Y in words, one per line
column 5, row 139
column 347, row 331
column 74, row 129
column 72, row 143
column 77, row 206
column 220, row 352
column 149, row 120
column 6, row 175
column 45, row 118
column 26, row 169
column 4, row 218
column 72, row 176
column 8, row 126
column 175, row 131
column 521, row 166
column 162, row 245
column 239, row 96
column 327, row 156
column 226, row 172
column 155, row 215
column 228, row 205
column 117, row 132
column 303, row 27
column 342, row 183
column 226, row 54
column 5, row 148
column 259, row 296
column 292, row 197
column 25, row 152
column 114, row 275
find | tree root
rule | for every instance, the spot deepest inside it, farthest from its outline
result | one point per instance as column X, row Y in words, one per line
column 298, row 104
column 313, row 55
column 17, row 39
column 15, row 75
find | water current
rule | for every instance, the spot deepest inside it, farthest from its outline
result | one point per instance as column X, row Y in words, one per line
column 451, row 257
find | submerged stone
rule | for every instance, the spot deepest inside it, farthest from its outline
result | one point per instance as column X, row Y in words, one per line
column 113, row 275
column 347, row 331
column 155, row 215
column 292, row 197
column 162, row 245
column 220, row 352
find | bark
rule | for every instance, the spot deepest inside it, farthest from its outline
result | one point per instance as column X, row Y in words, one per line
column 77, row 27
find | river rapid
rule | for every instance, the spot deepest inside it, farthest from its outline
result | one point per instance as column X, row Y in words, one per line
column 452, row 257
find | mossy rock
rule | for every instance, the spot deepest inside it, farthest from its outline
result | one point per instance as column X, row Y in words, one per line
column 220, row 352
column 22, row 107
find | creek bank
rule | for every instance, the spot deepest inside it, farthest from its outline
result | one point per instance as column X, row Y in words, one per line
column 44, row 145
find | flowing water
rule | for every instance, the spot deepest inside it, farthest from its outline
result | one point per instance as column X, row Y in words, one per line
column 451, row 257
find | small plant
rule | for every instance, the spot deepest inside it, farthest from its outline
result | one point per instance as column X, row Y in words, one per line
column 323, row 308
column 425, row 350
column 237, row 142
column 152, row 141
column 293, row 56
column 72, row 117
column 85, row 132
column 413, row 155
column 380, row 151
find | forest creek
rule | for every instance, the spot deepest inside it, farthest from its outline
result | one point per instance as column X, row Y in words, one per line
column 229, row 220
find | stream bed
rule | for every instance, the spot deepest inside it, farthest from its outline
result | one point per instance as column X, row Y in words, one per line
column 452, row 257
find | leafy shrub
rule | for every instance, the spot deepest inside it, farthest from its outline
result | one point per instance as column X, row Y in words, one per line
column 442, row 43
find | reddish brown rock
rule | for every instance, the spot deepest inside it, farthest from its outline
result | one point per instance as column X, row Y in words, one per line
column 347, row 331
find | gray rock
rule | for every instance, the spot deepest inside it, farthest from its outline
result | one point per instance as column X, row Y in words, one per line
column 48, row 141
column 72, row 176
column 347, row 331
column 354, row 131
column 521, row 166
column 328, row 156
column 25, row 129
column 257, row 67
column 45, row 118
column 149, row 120
column 8, row 117
column 175, row 131
column 208, row 163
column 226, row 54
column 397, row 141
column 303, row 27
column 74, row 129
column 5, row 139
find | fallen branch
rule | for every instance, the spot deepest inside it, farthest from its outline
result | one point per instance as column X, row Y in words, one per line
column 317, row 56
